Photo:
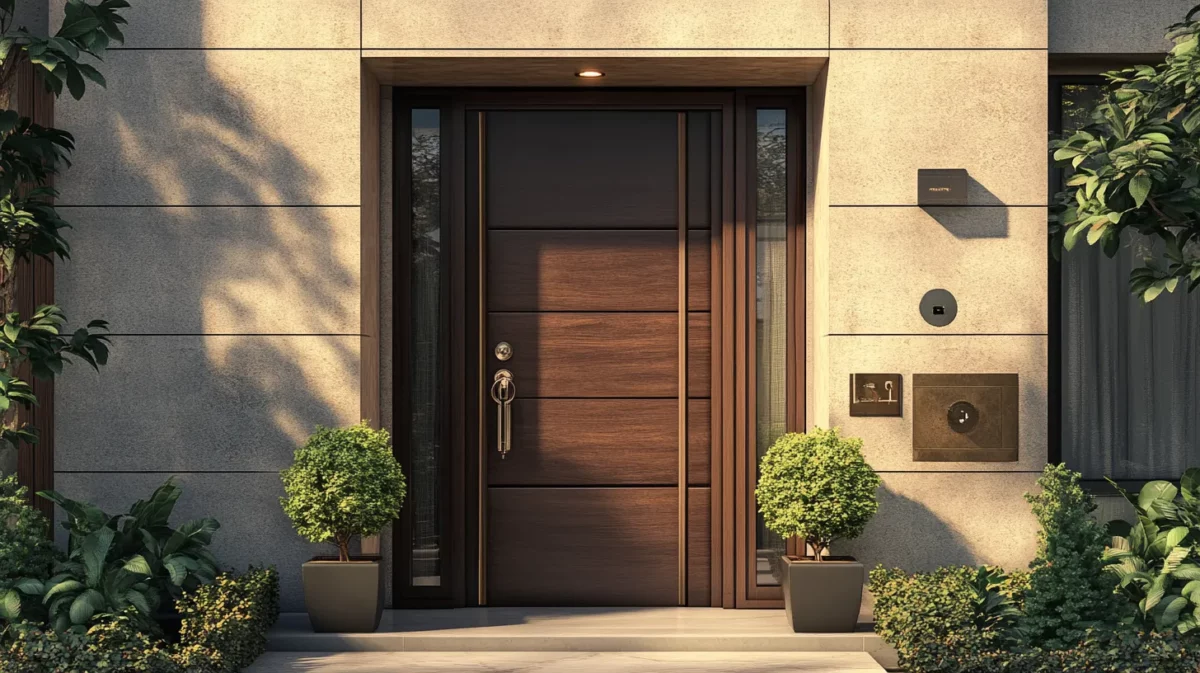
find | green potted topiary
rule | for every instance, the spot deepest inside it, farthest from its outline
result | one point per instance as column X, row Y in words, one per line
column 343, row 483
column 817, row 487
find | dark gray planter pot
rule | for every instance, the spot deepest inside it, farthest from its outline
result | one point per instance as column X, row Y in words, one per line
column 343, row 597
column 822, row 597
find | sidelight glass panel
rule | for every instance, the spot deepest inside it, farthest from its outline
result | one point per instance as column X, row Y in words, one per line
column 425, row 354
column 771, row 394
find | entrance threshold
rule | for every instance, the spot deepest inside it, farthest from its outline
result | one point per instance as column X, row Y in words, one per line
column 578, row 630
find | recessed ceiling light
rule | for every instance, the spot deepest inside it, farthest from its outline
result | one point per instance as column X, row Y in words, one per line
column 589, row 74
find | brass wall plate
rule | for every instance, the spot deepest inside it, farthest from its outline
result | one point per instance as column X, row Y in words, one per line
column 876, row 395
column 966, row 417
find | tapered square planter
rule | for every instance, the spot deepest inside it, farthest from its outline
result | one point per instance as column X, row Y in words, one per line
column 822, row 597
column 343, row 597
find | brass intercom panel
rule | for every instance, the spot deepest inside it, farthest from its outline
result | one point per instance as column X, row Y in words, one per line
column 966, row 417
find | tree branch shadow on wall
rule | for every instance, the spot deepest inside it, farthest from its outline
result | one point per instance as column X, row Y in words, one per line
column 906, row 534
column 237, row 323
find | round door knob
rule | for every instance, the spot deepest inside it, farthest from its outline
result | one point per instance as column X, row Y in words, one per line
column 503, row 351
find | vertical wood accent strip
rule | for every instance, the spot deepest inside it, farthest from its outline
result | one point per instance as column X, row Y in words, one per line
column 482, row 383
column 730, row 394
column 35, row 286
column 369, row 262
column 681, row 214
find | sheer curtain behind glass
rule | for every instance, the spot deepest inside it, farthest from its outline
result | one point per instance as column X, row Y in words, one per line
column 771, row 309
column 1130, row 371
column 425, row 353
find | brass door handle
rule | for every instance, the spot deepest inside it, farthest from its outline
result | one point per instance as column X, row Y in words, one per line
column 504, row 390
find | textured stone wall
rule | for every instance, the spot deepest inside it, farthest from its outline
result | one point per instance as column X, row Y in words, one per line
column 216, row 197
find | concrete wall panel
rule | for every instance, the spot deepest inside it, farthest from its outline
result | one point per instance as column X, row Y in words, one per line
column 227, row 270
column 886, row 259
column 1113, row 26
column 627, row 24
column 893, row 112
column 209, row 403
column 928, row 520
column 254, row 529
column 242, row 24
column 217, row 127
column 916, row 24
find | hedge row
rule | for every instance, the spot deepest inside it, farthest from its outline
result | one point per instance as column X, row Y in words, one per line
column 224, row 630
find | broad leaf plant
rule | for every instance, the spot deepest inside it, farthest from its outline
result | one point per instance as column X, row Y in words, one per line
column 1155, row 559
column 31, row 155
column 1136, row 166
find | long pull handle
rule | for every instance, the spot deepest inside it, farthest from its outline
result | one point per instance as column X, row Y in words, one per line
column 504, row 390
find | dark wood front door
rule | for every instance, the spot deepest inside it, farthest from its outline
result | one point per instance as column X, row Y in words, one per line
column 597, row 255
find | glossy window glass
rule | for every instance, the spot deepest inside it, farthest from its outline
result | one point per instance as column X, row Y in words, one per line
column 771, row 329
column 425, row 353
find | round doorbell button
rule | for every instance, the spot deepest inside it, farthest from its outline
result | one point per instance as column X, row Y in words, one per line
column 939, row 308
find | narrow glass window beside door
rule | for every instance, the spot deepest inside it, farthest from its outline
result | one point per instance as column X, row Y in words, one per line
column 425, row 352
column 771, row 314
column 1129, row 372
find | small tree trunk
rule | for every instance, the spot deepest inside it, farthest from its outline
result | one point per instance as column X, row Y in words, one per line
column 818, row 550
column 343, row 545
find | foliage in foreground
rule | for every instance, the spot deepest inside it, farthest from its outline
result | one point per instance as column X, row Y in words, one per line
column 1069, row 590
column 25, row 549
column 343, row 483
column 1155, row 559
column 1137, row 167
column 1054, row 619
column 816, row 486
column 136, row 559
column 224, row 630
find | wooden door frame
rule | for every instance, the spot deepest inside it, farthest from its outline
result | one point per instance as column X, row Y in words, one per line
column 747, row 592
column 732, row 260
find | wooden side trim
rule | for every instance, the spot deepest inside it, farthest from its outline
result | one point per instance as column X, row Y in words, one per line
column 35, row 286
column 369, row 257
column 681, row 207
column 481, row 521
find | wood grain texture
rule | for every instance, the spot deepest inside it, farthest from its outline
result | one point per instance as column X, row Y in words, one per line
column 611, row 355
column 560, row 442
column 699, row 548
column 369, row 256
column 564, row 270
column 582, row 546
column 581, row 169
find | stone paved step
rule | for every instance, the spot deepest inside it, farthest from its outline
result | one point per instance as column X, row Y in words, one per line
column 566, row 662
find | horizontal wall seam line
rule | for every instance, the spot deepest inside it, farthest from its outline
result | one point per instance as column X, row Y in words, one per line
column 350, row 49
column 851, row 334
column 167, row 471
column 958, row 471
column 232, row 334
column 742, row 49
column 913, row 205
column 206, row 205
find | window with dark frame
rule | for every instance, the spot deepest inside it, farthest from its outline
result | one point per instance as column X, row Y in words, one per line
column 1124, row 375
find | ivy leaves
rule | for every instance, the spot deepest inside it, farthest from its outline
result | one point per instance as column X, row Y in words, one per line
column 1136, row 166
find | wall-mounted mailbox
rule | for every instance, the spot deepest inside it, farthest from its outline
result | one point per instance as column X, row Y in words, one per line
column 941, row 187
column 970, row 418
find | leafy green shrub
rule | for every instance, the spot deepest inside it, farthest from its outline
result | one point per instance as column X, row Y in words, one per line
column 88, row 584
column 1153, row 560
column 1069, row 592
column 344, row 482
column 114, row 644
column 135, row 559
column 946, row 620
column 816, row 486
column 178, row 559
column 25, row 549
column 225, row 623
